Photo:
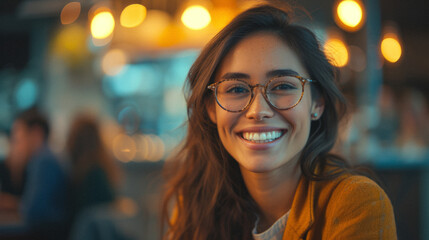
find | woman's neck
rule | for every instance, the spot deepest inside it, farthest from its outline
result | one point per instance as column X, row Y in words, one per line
column 273, row 192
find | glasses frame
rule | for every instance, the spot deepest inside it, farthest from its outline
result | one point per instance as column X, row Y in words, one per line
column 214, row 87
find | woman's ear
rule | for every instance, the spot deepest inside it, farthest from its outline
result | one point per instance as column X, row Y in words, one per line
column 211, row 110
column 317, row 108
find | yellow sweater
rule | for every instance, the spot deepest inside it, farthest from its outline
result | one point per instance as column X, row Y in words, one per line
column 349, row 207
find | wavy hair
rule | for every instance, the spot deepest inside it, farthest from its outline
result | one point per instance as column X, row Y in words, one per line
column 205, row 185
column 86, row 150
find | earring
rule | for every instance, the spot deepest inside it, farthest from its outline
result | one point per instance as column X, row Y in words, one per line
column 314, row 116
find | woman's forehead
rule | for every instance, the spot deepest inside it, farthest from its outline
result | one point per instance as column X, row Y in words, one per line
column 259, row 55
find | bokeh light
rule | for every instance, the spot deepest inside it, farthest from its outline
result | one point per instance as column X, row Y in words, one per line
column 26, row 93
column 349, row 15
column 133, row 15
column 336, row 50
column 196, row 17
column 134, row 79
column 391, row 48
column 129, row 118
column 160, row 149
column 70, row 12
column 70, row 44
column 113, row 62
column 124, row 148
column 150, row 147
column 102, row 24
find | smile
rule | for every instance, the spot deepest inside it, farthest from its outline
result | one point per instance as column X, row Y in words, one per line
column 262, row 137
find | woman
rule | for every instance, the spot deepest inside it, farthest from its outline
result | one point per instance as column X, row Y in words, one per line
column 263, row 115
column 94, row 175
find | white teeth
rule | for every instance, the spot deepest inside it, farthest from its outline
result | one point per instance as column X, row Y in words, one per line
column 261, row 137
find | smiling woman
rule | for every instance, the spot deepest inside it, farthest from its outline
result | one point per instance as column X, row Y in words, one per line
column 263, row 112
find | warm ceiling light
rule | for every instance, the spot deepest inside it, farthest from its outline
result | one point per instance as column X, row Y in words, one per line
column 349, row 15
column 102, row 25
column 196, row 17
column 70, row 12
column 133, row 15
column 391, row 48
column 337, row 52
column 70, row 43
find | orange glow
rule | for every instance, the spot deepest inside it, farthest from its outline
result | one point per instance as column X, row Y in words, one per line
column 133, row 15
column 102, row 25
column 391, row 48
column 336, row 50
column 154, row 26
column 70, row 12
column 196, row 17
column 124, row 148
column 222, row 16
column 172, row 35
column 350, row 15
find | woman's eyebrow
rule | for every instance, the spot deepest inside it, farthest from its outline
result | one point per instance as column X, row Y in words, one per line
column 280, row 73
column 235, row 75
column 270, row 74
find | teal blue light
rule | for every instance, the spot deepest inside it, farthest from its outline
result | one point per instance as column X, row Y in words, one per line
column 133, row 79
column 26, row 93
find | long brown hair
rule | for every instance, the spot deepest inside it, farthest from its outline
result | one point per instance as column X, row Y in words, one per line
column 210, row 197
column 86, row 150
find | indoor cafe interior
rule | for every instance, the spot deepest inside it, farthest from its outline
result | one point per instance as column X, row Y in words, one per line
column 110, row 74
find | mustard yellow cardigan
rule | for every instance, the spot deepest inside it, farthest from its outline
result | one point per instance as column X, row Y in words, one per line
column 349, row 207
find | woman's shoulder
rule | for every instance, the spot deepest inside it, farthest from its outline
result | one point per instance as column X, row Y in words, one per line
column 350, row 187
column 347, row 180
column 355, row 205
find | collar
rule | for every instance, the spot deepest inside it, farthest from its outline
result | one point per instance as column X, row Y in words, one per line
column 301, row 215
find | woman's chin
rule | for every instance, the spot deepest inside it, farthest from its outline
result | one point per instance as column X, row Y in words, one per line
column 257, row 167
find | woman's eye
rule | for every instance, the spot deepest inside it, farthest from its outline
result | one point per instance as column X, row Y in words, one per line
column 237, row 90
column 283, row 87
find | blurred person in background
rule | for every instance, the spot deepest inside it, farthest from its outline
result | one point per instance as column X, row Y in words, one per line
column 263, row 115
column 94, row 175
column 42, row 208
column 12, row 179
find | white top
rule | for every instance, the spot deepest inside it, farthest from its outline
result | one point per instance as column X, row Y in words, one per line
column 275, row 232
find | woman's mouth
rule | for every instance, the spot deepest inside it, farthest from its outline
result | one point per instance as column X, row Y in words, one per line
column 262, row 137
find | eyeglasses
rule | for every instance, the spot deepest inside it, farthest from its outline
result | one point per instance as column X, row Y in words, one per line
column 282, row 93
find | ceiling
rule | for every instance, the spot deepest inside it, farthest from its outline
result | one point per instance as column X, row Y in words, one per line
column 19, row 17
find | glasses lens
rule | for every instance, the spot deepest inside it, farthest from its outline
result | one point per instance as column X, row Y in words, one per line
column 284, row 92
column 233, row 95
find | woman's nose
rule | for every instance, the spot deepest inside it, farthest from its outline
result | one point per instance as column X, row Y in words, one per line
column 259, row 108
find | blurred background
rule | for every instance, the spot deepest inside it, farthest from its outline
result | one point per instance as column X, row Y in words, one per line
column 125, row 62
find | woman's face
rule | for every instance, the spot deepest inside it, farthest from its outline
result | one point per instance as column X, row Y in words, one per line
column 252, row 60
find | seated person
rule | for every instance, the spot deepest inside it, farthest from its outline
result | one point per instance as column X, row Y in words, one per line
column 12, row 179
column 94, row 175
column 42, row 207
